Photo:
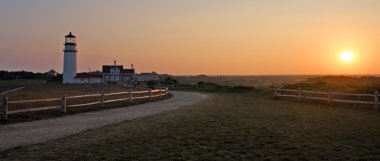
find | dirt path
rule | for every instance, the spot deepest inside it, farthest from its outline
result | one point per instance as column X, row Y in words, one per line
column 27, row 133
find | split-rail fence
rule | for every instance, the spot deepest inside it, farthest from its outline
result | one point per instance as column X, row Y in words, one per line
column 330, row 96
column 100, row 97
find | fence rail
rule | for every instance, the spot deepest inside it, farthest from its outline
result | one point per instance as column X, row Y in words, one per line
column 329, row 96
column 35, row 100
column 63, row 101
column 81, row 96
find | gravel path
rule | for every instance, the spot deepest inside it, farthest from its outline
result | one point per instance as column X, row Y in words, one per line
column 27, row 133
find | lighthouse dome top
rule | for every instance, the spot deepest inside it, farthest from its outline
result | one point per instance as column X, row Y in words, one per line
column 70, row 39
column 70, row 35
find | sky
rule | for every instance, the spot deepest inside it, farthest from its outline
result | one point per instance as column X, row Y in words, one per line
column 213, row 37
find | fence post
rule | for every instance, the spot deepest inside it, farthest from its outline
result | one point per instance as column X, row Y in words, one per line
column 64, row 103
column 330, row 96
column 376, row 99
column 166, row 90
column 5, row 105
column 299, row 94
column 150, row 94
column 159, row 91
column 275, row 92
column 102, row 98
column 130, row 95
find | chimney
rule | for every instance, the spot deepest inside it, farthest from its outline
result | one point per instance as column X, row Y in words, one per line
column 132, row 66
column 114, row 62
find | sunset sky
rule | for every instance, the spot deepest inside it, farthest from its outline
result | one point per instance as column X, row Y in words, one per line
column 215, row 37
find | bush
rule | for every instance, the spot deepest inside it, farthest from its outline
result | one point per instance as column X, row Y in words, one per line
column 339, row 84
column 213, row 87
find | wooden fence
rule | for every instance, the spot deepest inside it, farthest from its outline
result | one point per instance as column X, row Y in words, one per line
column 148, row 94
column 330, row 97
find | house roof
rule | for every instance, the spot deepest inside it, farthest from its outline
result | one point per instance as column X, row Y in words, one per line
column 131, row 71
column 107, row 68
column 88, row 75
column 51, row 71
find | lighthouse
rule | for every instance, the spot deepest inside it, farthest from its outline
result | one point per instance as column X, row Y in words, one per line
column 70, row 59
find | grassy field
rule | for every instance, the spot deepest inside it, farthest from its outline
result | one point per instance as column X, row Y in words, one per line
column 39, row 89
column 227, row 126
column 350, row 84
column 257, row 81
column 9, row 85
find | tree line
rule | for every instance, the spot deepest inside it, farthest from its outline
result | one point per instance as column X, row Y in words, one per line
column 10, row 75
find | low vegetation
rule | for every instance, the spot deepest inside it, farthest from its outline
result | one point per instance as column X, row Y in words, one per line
column 41, row 89
column 257, row 81
column 234, row 123
column 213, row 87
column 365, row 84
column 6, row 85
column 227, row 126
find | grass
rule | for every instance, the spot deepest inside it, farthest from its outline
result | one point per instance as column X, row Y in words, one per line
column 56, row 90
column 227, row 126
column 349, row 84
column 6, row 85
column 344, row 84
column 256, row 80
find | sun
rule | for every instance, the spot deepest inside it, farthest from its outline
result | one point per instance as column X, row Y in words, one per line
column 347, row 56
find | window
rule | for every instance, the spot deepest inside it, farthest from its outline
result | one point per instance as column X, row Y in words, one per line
column 126, row 78
column 112, row 78
column 107, row 78
column 117, row 78
column 117, row 71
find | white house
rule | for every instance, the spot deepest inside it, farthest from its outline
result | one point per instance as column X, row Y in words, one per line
column 118, row 75
column 88, row 78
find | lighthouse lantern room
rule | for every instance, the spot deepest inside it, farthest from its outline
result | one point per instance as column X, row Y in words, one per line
column 70, row 59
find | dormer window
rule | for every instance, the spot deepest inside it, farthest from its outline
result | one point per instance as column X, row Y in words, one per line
column 115, row 70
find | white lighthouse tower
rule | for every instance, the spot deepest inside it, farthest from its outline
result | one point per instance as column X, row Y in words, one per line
column 70, row 59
